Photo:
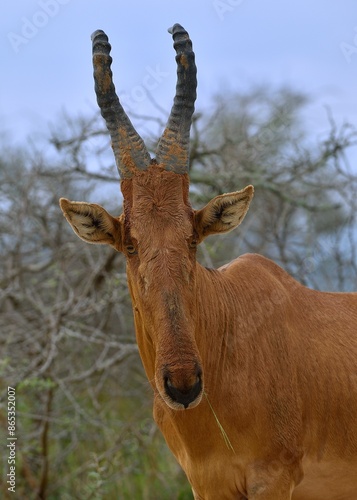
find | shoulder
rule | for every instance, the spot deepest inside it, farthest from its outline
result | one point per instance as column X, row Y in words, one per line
column 255, row 267
column 251, row 260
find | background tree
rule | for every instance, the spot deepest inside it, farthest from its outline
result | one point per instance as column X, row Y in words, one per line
column 84, row 422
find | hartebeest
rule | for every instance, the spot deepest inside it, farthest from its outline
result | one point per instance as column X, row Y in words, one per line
column 254, row 375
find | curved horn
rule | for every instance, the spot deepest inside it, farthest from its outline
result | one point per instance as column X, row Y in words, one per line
column 129, row 149
column 173, row 147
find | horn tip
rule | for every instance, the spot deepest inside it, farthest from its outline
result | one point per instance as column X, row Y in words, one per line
column 98, row 33
column 100, row 42
column 176, row 27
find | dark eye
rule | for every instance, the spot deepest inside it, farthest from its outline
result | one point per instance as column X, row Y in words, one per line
column 193, row 243
column 131, row 250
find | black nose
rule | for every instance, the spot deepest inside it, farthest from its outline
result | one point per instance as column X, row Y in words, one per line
column 183, row 395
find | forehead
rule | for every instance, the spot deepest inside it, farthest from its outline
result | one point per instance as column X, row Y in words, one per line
column 155, row 199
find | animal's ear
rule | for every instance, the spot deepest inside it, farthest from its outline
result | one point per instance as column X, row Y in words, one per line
column 223, row 213
column 92, row 223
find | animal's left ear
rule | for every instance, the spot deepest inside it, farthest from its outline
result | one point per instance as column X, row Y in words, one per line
column 223, row 213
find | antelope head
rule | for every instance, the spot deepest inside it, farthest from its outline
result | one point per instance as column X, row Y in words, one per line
column 158, row 231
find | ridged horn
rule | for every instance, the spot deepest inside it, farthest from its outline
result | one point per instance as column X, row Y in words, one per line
column 173, row 147
column 129, row 149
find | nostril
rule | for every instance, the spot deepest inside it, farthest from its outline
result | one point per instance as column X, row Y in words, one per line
column 185, row 394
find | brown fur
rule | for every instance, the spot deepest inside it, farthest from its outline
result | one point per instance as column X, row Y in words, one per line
column 277, row 418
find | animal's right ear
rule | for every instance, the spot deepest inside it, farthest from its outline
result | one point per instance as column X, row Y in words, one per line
column 92, row 223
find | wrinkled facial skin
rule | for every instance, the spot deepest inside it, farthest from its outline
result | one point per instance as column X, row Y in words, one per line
column 159, row 241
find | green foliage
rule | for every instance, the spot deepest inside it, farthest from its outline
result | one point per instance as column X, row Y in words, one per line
column 36, row 384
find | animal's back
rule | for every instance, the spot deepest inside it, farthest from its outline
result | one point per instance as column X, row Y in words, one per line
column 318, row 331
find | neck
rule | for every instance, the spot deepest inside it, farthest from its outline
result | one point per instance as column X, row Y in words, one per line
column 218, row 316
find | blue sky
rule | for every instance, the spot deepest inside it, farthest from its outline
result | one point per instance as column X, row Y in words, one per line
column 46, row 54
